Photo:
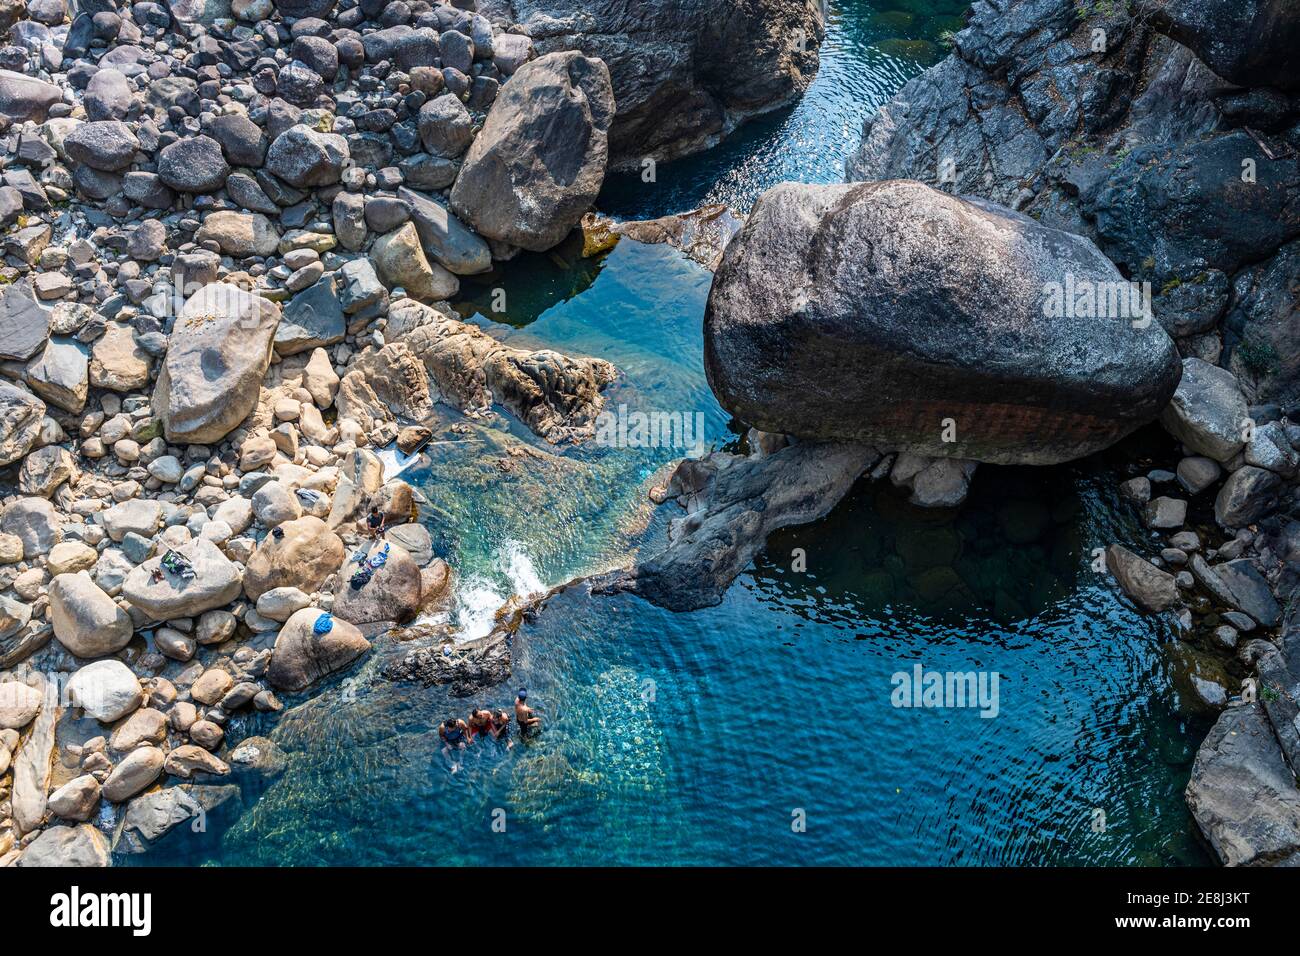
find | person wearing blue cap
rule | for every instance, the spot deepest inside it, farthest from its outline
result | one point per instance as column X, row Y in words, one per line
column 525, row 719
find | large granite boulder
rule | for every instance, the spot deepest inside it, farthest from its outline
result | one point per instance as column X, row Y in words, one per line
column 80, row 846
column 86, row 620
column 1250, row 42
column 301, row 656
column 216, row 582
column 392, row 593
column 895, row 314
column 1242, row 794
column 539, row 161
column 684, row 72
column 302, row 557
column 217, row 355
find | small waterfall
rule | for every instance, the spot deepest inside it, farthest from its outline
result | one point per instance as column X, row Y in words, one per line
column 479, row 597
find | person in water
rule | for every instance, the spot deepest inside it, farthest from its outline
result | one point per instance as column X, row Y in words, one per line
column 500, row 728
column 455, row 736
column 375, row 523
column 524, row 716
column 480, row 723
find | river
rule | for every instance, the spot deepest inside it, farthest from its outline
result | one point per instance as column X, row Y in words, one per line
column 761, row 731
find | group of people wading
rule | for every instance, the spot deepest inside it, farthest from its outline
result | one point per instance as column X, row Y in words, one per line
column 458, row 733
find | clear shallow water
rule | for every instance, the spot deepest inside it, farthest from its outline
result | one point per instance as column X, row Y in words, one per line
column 694, row 738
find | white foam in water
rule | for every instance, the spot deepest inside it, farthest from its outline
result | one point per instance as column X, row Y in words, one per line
column 478, row 599
column 395, row 461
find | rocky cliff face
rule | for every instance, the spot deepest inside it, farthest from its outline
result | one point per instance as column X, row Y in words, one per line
column 1104, row 126
column 685, row 72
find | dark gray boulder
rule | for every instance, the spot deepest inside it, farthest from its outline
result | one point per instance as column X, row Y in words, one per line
column 1250, row 42
column 1250, row 591
column 24, row 325
column 894, row 314
column 304, row 157
column 446, row 126
column 25, row 97
column 108, row 96
column 1249, row 494
column 1243, row 795
column 193, row 165
column 1261, row 334
column 1172, row 211
column 539, row 161
column 106, row 145
column 241, row 139
column 685, row 73
column 312, row 318
column 299, row 9
column 21, row 414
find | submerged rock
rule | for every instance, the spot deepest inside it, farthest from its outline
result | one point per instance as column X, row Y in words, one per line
column 893, row 313
column 733, row 504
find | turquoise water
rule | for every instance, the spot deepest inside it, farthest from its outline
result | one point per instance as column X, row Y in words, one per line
column 701, row 738
column 871, row 49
